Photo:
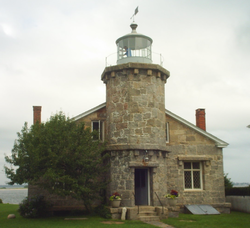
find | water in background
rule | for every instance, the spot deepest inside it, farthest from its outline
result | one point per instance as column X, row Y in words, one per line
column 13, row 196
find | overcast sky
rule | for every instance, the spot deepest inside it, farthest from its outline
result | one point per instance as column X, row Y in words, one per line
column 52, row 54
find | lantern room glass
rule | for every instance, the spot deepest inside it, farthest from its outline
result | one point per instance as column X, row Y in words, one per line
column 134, row 48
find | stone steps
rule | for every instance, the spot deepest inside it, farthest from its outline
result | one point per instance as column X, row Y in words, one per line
column 146, row 208
column 148, row 214
column 149, row 218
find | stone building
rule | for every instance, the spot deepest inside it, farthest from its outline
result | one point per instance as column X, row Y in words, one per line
column 152, row 150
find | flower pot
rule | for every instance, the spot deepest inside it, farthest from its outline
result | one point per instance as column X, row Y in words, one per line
column 172, row 202
column 115, row 203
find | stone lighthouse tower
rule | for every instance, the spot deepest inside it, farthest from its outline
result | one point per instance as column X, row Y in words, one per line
column 135, row 124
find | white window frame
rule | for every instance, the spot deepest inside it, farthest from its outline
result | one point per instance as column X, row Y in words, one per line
column 167, row 132
column 192, row 175
column 100, row 133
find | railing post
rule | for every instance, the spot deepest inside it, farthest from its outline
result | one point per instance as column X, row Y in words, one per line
column 160, row 202
column 137, row 205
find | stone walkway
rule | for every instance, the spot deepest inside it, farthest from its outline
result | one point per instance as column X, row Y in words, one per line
column 159, row 224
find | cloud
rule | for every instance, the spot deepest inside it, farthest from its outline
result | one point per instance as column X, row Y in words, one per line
column 53, row 54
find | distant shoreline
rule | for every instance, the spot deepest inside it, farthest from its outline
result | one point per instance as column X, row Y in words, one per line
column 6, row 186
column 13, row 195
column 6, row 189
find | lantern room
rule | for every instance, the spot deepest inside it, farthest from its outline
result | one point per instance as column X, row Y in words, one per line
column 134, row 47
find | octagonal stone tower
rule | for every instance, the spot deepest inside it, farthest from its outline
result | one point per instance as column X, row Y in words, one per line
column 135, row 106
column 135, row 124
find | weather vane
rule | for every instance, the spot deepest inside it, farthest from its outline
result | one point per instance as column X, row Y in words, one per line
column 133, row 16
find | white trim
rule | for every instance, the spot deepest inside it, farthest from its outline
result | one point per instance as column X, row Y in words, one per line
column 219, row 143
column 148, row 188
column 167, row 132
column 192, row 170
column 100, row 128
column 89, row 112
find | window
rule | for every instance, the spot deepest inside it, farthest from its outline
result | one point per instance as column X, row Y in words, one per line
column 98, row 126
column 167, row 133
column 192, row 175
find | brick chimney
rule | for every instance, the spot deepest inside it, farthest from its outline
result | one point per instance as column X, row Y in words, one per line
column 201, row 119
column 37, row 114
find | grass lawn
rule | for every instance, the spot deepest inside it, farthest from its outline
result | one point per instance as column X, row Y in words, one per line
column 233, row 220
column 54, row 222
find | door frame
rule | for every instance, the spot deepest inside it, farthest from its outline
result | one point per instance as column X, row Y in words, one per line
column 148, row 182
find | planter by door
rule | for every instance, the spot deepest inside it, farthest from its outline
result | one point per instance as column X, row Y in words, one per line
column 115, row 203
column 172, row 202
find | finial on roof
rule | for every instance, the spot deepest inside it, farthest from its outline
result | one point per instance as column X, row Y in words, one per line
column 133, row 26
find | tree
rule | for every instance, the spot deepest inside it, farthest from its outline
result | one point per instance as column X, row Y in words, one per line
column 228, row 182
column 61, row 157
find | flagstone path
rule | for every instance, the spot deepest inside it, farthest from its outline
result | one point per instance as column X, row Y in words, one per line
column 159, row 224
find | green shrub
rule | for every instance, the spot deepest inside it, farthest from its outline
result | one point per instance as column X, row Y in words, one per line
column 228, row 182
column 34, row 208
column 1, row 201
column 103, row 211
column 238, row 191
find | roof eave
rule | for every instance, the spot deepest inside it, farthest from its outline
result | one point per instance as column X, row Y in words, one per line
column 89, row 112
column 219, row 143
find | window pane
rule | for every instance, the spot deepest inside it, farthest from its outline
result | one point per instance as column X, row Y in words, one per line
column 196, row 165
column 95, row 126
column 188, row 179
column 197, row 182
column 187, row 165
